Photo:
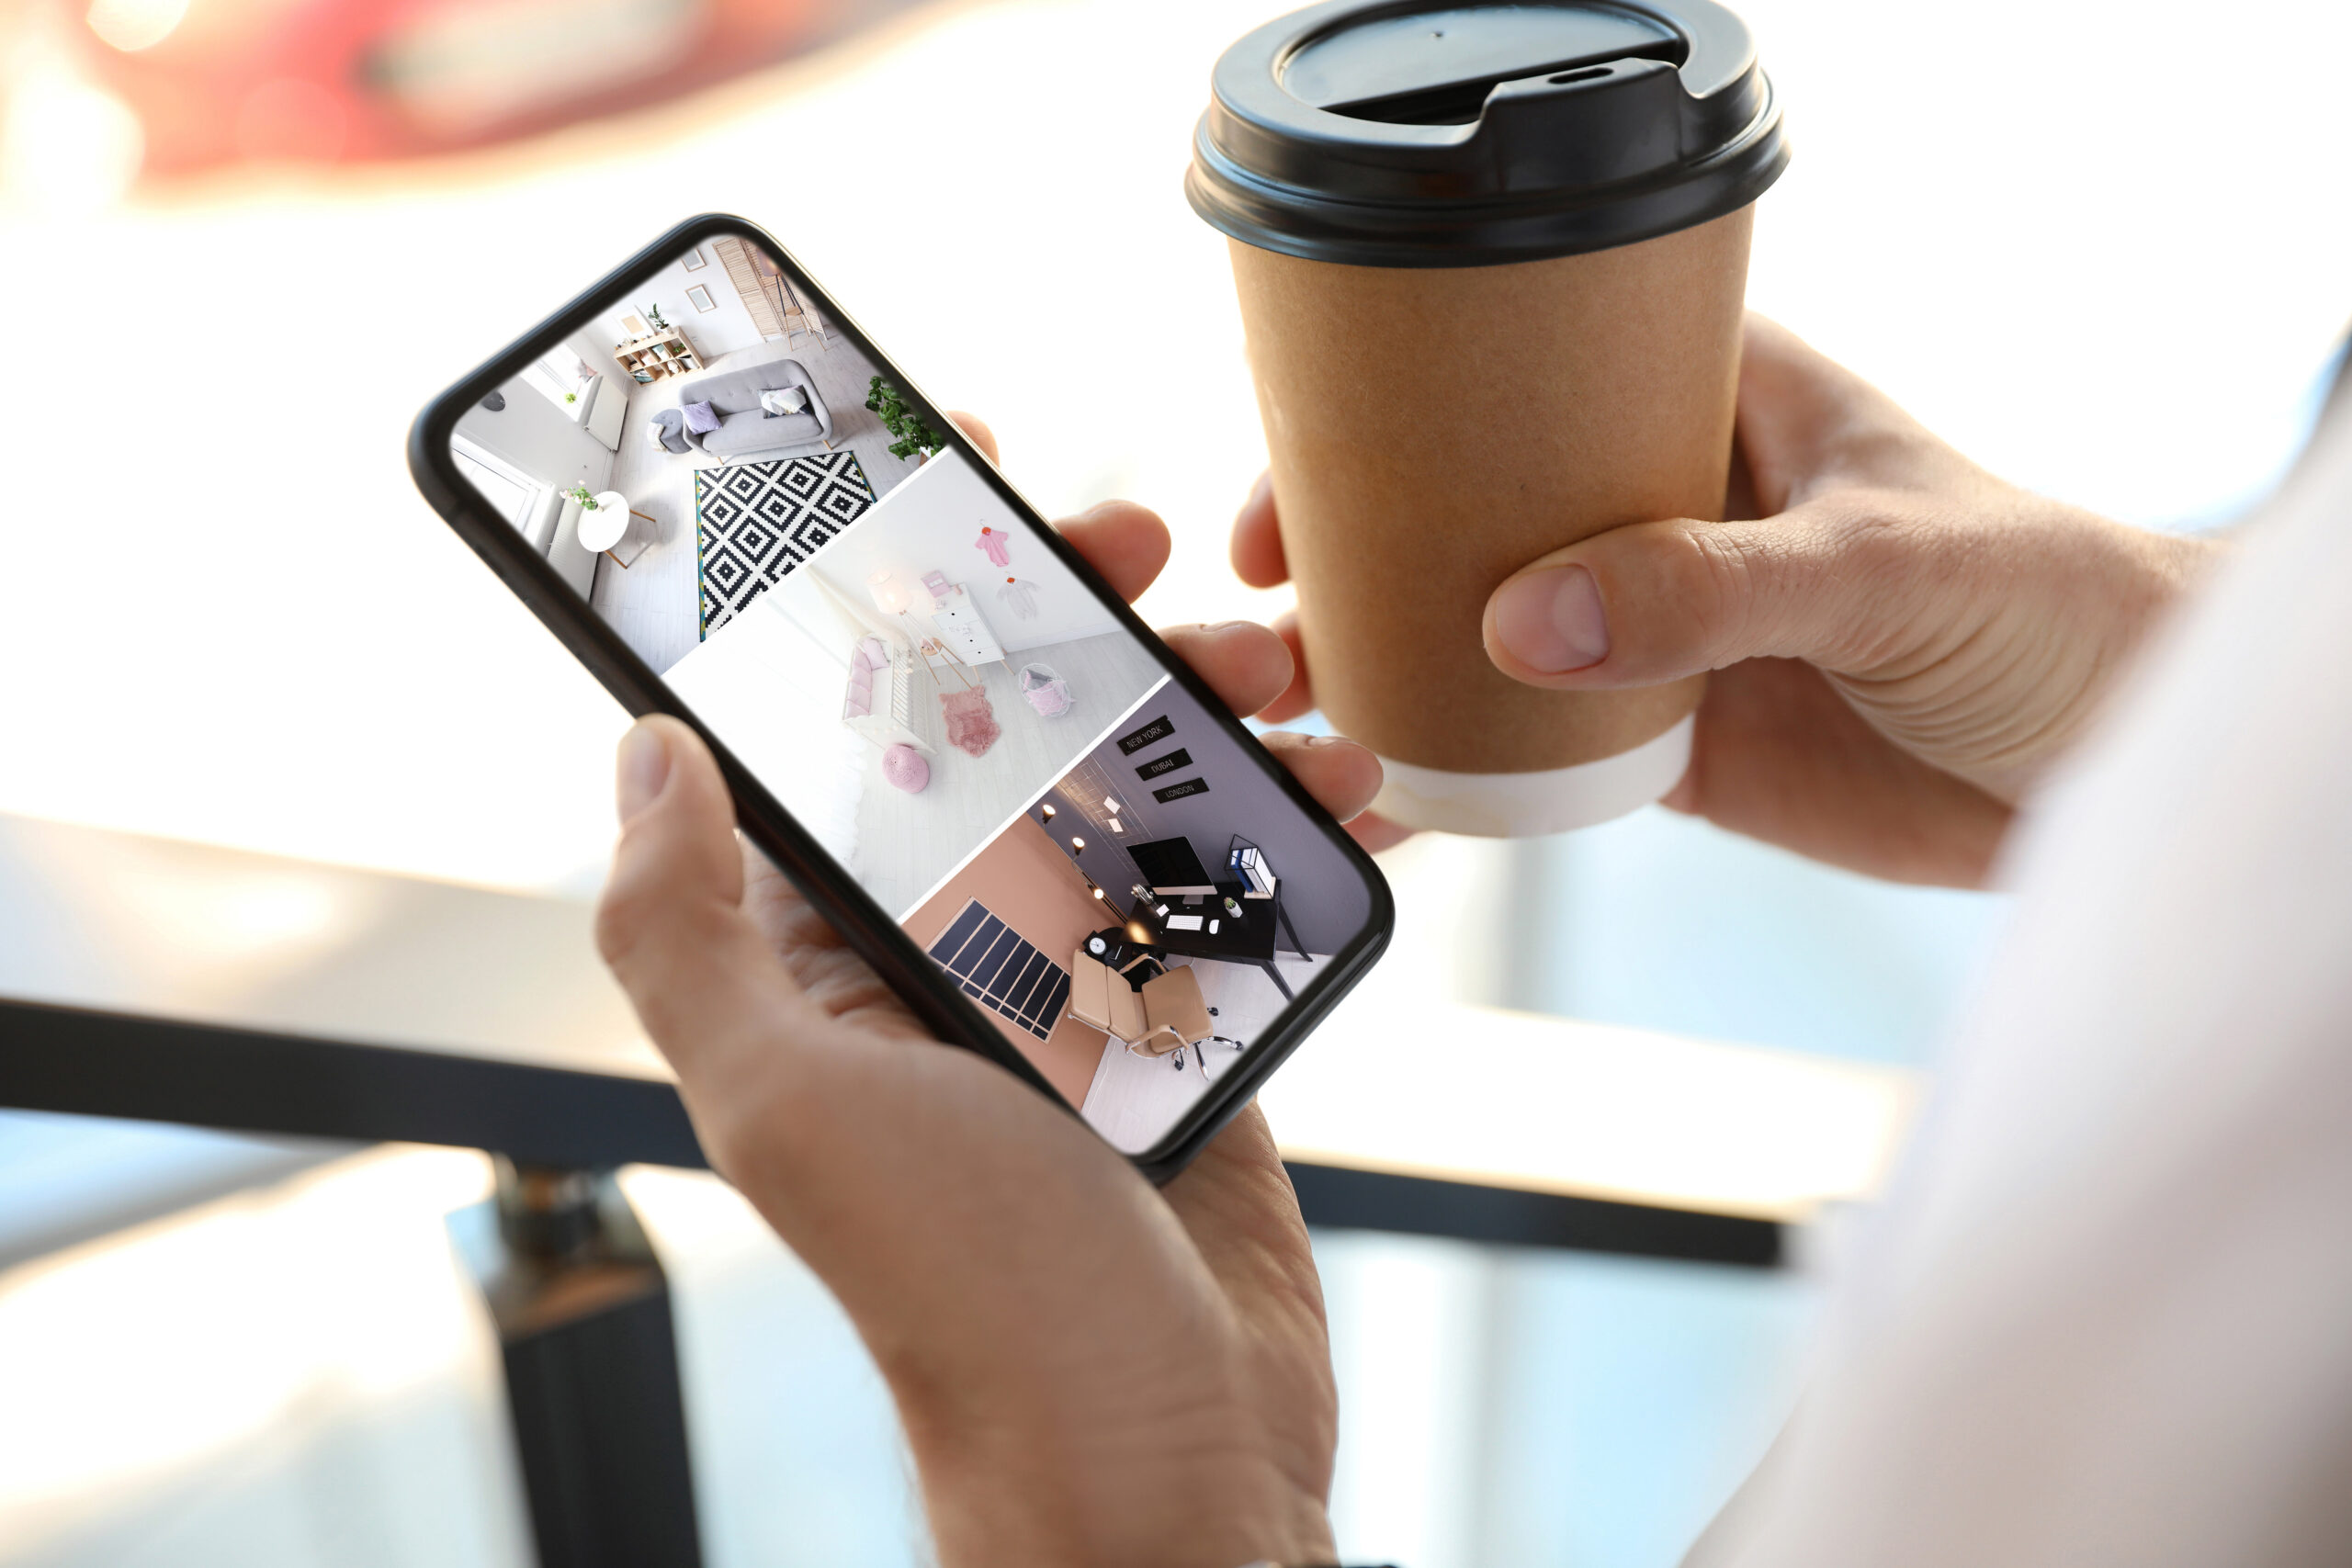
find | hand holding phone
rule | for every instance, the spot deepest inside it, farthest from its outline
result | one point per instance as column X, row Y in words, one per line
column 1048, row 835
column 1052, row 1338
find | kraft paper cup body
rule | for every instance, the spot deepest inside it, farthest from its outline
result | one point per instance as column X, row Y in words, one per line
column 1434, row 429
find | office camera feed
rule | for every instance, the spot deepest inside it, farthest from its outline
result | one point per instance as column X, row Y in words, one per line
column 842, row 598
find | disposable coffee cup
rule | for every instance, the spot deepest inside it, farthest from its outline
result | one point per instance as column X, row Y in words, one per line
column 1491, row 261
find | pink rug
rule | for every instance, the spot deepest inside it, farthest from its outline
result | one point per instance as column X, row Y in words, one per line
column 972, row 727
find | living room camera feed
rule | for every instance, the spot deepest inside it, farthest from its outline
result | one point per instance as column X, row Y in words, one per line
column 746, row 500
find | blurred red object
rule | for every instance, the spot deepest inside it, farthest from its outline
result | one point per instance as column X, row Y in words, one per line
column 219, row 82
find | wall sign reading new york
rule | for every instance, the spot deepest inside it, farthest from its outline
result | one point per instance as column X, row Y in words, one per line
column 1179, row 791
column 1151, row 734
column 1161, row 767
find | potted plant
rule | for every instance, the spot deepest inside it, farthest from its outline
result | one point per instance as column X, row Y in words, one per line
column 899, row 417
column 580, row 494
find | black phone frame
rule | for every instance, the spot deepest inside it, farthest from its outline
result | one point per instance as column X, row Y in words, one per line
column 865, row 925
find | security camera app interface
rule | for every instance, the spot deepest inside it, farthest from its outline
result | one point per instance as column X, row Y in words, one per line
column 744, row 498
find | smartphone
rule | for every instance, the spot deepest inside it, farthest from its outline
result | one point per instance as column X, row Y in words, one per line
column 1031, row 819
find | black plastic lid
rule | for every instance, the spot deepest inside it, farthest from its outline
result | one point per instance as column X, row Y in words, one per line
column 1417, row 133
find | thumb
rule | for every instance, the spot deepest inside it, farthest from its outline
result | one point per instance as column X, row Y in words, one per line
column 672, row 925
column 1828, row 582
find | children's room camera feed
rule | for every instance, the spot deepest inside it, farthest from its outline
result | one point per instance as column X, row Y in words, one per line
column 745, row 499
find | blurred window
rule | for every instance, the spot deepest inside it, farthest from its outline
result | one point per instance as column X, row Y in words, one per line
column 561, row 377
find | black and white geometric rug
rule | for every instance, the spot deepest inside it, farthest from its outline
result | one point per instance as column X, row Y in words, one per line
column 755, row 522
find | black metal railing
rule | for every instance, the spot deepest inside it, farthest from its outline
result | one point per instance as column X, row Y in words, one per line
column 594, row 1392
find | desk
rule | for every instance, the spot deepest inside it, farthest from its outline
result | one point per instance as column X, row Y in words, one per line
column 1248, row 939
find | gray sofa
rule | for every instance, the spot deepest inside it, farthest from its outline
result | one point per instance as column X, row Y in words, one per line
column 743, row 430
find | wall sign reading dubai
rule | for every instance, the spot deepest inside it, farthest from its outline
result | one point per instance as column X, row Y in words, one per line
column 1179, row 791
column 1151, row 734
column 1161, row 767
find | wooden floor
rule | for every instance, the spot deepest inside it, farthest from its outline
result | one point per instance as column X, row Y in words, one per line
column 653, row 603
column 909, row 844
column 1135, row 1100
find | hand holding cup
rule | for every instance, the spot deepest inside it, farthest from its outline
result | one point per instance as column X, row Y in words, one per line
column 1900, row 643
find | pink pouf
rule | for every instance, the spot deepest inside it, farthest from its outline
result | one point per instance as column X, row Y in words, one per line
column 903, row 768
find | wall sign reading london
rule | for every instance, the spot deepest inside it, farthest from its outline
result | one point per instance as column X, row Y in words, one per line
column 1151, row 734
column 1161, row 767
column 1179, row 791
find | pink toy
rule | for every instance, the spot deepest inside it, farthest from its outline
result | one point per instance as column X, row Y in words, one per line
column 903, row 768
column 1047, row 691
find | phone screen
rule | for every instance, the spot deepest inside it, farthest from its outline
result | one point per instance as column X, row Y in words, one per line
column 753, row 504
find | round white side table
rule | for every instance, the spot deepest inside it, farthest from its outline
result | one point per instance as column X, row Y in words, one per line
column 602, row 528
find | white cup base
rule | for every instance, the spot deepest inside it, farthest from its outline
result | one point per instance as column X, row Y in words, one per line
column 1527, row 805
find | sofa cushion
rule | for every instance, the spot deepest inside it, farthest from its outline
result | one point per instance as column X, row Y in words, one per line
column 702, row 418
column 741, row 433
column 779, row 401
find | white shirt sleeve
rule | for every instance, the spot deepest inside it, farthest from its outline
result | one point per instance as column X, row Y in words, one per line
column 2104, row 1319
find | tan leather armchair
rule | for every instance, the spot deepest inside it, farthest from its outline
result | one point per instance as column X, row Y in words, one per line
column 1167, row 1015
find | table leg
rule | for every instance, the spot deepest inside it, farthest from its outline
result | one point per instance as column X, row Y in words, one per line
column 592, row 1386
column 1284, row 915
column 1275, row 974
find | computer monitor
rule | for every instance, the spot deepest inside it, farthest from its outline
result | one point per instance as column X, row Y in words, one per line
column 1169, row 866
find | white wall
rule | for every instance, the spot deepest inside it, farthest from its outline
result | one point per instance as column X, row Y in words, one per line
column 539, row 438
column 931, row 522
column 713, row 333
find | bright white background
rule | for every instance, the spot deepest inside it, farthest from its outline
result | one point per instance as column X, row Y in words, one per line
column 2102, row 249
column 2104, row 258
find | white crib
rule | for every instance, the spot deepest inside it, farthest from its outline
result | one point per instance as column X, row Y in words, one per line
column 880, row 704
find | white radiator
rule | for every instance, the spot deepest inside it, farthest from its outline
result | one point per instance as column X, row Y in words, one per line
column 607, row 408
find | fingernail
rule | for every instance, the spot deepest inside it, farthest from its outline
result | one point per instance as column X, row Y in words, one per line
column 1259, row 491
column 1323, row 740
column 644, row 769
column 1551, row 620
column 1218, row 628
